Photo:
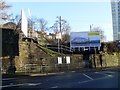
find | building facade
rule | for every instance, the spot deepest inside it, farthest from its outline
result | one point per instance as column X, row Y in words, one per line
column 115, row 7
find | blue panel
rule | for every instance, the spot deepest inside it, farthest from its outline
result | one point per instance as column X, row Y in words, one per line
column 81, row 39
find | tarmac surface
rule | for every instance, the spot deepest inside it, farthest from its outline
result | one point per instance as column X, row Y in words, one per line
column 85, row 79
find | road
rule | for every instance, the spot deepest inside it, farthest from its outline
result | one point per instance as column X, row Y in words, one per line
column 71, row 79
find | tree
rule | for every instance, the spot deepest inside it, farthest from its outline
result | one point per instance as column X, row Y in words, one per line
column 3, row 8
column 54, row 28
column 98, row 29
column 62, row 26
column 13, row 22
column 37, row 24
column 65, row 38
column 17, row 21
column 40, row 26
column 43, row 25
column 66, row 33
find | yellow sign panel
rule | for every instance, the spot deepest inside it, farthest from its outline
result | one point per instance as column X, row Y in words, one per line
column 93, row 34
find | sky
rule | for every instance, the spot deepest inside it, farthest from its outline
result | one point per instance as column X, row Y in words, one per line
column 80, row 15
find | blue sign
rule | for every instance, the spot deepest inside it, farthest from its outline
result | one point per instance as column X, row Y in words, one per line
column 85, row 39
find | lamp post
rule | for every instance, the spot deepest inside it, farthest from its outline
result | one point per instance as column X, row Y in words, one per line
column 91, row 27
column 58, row 46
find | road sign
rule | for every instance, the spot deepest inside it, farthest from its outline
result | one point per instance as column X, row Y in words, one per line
column 68, row 59
column 59, row 60
column 58, row 35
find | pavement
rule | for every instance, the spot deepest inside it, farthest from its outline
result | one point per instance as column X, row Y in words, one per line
column 22, row 74
column 87, row 78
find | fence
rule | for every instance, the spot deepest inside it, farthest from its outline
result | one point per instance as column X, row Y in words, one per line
column 53, row 68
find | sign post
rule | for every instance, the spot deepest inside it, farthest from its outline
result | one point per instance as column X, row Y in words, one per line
column 59, row 62
column 68, row 61
column 58, row 37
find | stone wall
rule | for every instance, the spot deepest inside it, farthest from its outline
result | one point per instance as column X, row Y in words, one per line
column 31, row 59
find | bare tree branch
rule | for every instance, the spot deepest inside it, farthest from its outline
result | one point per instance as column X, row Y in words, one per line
column 3, row 7
column 43, row 24
column 98, row 29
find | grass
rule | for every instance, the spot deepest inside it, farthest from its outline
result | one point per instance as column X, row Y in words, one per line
column 50, row 52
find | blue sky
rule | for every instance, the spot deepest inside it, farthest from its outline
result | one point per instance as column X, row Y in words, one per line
column 78, row 14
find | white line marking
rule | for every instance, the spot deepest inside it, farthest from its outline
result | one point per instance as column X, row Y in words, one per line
column 7, row 79
column 72, row 71
column 92, row 80
column 88, row 77
column 105, row 72
column 107, row 75
column 62, row 72
column 96, row 72
column 102, row 73
column 84, row 81
column 110, row 75
column 54, row 87
column 12, row 85
column 33, row 84
column 108, row 72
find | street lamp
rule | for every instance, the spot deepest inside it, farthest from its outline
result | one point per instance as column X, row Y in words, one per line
column 91, row 27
